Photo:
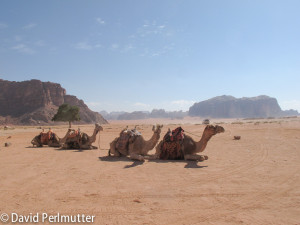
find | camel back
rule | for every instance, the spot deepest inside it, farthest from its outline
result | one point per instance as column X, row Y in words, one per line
column 126, row 136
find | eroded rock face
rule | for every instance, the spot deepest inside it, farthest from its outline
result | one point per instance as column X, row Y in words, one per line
column 231, row 107
column 34, row 102
column 18, row 98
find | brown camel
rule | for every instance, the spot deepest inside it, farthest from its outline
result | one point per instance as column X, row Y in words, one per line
column 80, row 140
column 190, row 148
column 137, row 147
column 49, row 138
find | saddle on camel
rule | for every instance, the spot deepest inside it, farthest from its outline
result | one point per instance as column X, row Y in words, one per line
column 126, row 136
column 46, row 136
column 75, row 135
column 171, row 147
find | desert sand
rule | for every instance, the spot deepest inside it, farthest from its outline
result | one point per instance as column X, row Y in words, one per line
column 255, row 180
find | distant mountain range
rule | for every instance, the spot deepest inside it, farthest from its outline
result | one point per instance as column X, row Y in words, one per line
column 155, row 113
column 35, row 102
column 219, row 107
column 230, row 107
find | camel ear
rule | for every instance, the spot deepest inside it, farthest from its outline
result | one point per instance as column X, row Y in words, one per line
column 153, row 128
column 161, row 126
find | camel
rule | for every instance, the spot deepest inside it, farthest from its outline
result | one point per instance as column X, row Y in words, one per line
column 80, row 140
column 190, row 148
column 138, row 147
column 51, row 139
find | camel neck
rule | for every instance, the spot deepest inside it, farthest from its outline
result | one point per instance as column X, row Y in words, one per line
column 93, row 137
column 201, row 145
column 62, row 140
column 153, row 140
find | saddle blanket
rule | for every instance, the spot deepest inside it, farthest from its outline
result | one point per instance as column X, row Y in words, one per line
column 171, row 147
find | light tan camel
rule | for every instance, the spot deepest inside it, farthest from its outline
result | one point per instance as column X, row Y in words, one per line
column 80, row 140
column 138, row 147
column 190, row 148
column 51, row 139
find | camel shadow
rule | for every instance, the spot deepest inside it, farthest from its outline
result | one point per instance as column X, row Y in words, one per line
column 189, row 163
column 114, row 159
column 73, row 149
column 121, row 159
column 134, row 164
column 193, row 164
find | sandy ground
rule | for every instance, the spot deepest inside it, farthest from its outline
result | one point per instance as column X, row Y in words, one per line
column 255, row 180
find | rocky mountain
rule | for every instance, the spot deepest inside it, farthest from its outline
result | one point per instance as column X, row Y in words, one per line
column 35, row 102
column 230, row 107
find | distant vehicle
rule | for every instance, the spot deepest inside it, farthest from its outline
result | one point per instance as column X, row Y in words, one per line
column 206, row 121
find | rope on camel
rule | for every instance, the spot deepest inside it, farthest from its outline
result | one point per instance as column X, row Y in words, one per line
column 99, row 143
column 192, row 133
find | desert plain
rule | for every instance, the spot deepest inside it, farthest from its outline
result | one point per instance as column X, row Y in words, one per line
column 254, row 180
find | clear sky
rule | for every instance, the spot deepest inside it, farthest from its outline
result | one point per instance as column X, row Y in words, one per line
column 143, row 54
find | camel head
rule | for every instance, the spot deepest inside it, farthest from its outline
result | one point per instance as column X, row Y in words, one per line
column 213, row 130
column 35, row 141
column 98, row 127
column 157, row 128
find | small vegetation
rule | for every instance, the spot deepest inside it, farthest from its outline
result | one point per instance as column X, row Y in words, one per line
column 237, row 122
column 67, row 113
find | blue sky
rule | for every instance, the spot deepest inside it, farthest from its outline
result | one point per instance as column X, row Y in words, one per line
column 139, row 55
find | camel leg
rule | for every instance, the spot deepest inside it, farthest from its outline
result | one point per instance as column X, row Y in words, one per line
column 65, row 146
column 151, row 157
column 115, row 153
column 36, row 142
column 113, row 150
column 195, row 157
column 51, row 144
column 88, row 147
column 157, row 152
column 135, row 156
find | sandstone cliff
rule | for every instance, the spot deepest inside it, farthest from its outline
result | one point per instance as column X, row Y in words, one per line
column 231, row 107
column 35, row 102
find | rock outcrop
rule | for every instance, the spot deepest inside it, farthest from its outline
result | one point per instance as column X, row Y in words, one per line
column 35, row 102
column 230, row 107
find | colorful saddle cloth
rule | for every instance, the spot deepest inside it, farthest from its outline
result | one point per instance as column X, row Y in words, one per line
column 74, row 134
column 46, row 137
column 171, row 147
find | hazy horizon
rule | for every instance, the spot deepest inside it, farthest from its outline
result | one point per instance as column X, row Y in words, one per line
column 140, row 55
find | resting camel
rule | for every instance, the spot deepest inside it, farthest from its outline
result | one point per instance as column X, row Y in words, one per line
column 80, row 140
column 49, row 138
column 190, row 148
column 138, row 147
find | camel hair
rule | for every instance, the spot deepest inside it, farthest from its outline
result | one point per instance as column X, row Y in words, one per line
column 190, row 147
column 138, row 147
column 80, row 140
column 54, row 141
